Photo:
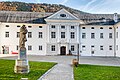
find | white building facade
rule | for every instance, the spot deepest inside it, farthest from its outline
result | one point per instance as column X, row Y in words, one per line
column 62, row 33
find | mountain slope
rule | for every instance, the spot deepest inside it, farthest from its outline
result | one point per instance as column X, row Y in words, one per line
column 32, row 7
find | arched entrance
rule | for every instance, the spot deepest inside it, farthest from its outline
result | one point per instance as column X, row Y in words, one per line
column 62, row 50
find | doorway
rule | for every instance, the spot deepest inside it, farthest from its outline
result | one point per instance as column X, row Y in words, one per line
column 63, row 50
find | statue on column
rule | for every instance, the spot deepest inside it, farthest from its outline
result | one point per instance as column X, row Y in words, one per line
column 23, row 39
column 21, row 65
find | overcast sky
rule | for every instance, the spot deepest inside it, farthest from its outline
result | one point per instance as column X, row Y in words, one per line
column 91, row 6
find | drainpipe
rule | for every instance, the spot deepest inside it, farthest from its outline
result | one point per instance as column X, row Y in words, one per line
column 78, row 45
column 114, row 41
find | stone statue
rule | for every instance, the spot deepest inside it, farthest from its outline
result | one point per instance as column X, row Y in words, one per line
column 23, row 39
column 21, row 64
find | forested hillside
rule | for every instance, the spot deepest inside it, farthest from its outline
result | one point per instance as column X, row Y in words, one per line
column 32, row 7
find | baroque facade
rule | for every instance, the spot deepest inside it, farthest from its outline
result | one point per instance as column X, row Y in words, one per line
column 61, row 33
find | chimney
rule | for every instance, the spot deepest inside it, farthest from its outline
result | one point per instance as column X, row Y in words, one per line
column 115, row 17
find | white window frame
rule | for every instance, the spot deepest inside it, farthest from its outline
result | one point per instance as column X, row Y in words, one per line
column 72, row 48
column 110, row 35
column 40, row 26
column 7, row 34
column 116, row 34
column 40, row 47
column 17, row 47
column 7, row 26
column 101, row 36
column 92, row 47
column 53, row 34
column 62, row 27
column 29, row 47
column 83, row 47
column 110, row 47
column 18, row 34
column 53, row 48
column 83, row 35
column 101, row 47
column 92, row 35
column 29, row 34
column 62, row 34
column 72, row 27
column 52, row 26
column 40, row 35
column 72, row 35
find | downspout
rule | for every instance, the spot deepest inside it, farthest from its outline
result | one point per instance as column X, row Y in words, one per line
column 114, row 41
column 78, row 45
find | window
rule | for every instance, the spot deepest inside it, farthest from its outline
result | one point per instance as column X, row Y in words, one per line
column 83, row 47
column 62, row 27
column 72, row 48
column 62, row 34
column 72, row 35
column 83, row 35
column 29, row 26
column 40, row 47
column 40, row 26
column 29, row 47
column 101, row 27
column 92, row 35
column 116, row 34
column 18, row 26
column 53, row 48
column 7, row 34
column 40, row 34
column 110, row 35
column 72, row 27
column 101, row 47
column 17, row 47
column 110, row 27
column 101, row 35
column 92, row 52
column 53, row 26
column 83, row 27
column 92, row 47
column 62, row 15
column 18, row 34
column 116, row 47
column 7, row 25
column 53, row 35
column 92, row 27
column 110, row 47
column 29, row 34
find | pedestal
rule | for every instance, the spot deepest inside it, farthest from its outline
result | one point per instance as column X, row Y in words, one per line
column 21, row 66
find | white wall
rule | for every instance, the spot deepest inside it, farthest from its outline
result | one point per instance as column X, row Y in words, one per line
column 105, row 42
column 117, row 27
column 13, row 41
column 58, row 41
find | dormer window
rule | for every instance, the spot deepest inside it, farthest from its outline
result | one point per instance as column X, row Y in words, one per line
column 62, row 15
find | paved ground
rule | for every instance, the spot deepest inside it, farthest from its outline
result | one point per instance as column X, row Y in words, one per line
column 63, row 70
column 7, row 55
column 110, row 61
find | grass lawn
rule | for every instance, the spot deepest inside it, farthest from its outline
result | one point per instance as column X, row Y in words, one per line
column 37, row 69
column 95, row 72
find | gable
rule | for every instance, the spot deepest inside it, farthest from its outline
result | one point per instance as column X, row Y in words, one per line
column 62, row 15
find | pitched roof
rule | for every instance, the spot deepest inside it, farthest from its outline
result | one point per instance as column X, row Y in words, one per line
column 22, row 17
column 94, row 19
column 38, row 17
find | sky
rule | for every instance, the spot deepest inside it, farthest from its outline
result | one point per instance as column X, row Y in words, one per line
column 90, row 6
